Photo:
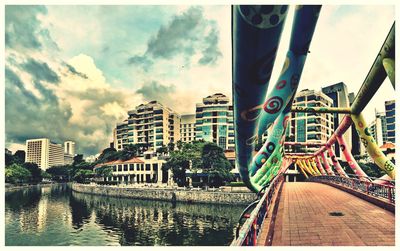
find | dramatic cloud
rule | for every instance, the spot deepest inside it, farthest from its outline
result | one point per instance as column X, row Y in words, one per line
column 155, row 91
column 23, row 29
column 186, row 35
column 46, row 96
column 40, row 71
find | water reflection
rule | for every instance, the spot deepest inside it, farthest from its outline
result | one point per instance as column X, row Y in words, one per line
column 56, row 216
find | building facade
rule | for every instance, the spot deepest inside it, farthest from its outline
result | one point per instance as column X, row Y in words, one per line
column 152, row 124
column 146, row 169
column 310, row 127
column 390, row 120
column 214, row 121
column 340, row 97
column 69, row 147
column 378, row 128
column 188, row 123
column 44, row 153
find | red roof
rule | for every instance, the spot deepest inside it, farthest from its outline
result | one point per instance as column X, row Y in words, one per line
column 387, row 145
column 129, row 161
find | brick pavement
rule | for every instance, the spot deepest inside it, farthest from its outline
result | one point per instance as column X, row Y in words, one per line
column 303, row 218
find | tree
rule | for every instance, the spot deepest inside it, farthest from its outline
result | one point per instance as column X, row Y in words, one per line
column 82, row 176
column 171, row 146
column 108, row 154
column 215, row 164
column 104, row 171
column 129, row 152
column 78, row 159
column 36, row 172
column 17, row 174
column 60, row 173
column 178, row 163
column 19, row 156
column 162, row 150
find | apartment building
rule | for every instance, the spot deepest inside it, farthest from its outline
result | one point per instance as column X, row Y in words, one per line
column 214, row 121
column 44, row 153
column 152, row 124
column 311, row 127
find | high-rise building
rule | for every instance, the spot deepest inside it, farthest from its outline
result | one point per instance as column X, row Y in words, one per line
column 69, row 147
column 310, row 127
column 390, row 120
column 188, row 122
column 214, row 121
column 152, row 124
column 44, row 153
column 378, row 128
column 340, row 97
column 69, row 152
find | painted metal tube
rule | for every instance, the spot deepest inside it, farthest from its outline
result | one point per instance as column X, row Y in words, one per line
column 350, row 159
column 273, row 141
column 302, row 169
column 303, row 143
column 255, row 39
column 282, row 93
column 321, row 109
column 376, row 74
column 372, row 148
column 320, row 168
column 336, row 163
column 328, row 168
column 312, row 165
column 273, row 159
column 389, row 66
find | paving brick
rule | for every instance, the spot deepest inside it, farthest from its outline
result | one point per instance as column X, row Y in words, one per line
column 303, row 218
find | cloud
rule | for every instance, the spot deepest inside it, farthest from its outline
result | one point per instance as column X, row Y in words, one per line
column 40, row 71
column 74, row 71
column 185, row 35
column 155, row 91
column 23, row 28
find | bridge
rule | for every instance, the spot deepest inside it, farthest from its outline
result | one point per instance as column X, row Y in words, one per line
column 331, row 207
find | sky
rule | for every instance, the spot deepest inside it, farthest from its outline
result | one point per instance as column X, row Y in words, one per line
column 73, row 72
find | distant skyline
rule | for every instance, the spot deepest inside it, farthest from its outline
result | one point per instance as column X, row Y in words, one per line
column 72, row 72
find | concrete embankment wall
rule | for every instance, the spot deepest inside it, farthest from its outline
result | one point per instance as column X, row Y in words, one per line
column 167, row 195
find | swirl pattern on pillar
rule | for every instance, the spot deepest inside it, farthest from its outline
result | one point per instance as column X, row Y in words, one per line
column 273, row 105
column 270, row 147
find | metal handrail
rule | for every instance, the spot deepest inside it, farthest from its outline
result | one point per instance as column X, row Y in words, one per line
column 248, row 233
column 368, row 187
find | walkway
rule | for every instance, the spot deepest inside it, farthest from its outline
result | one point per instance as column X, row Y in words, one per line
column 303, row 218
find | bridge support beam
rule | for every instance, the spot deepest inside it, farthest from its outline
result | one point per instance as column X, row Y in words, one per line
column 336, row 163
column 350, row 159
column 321, row 169
column 389, row 66
column 328, row 168
column 373, row 150
column 305, row 109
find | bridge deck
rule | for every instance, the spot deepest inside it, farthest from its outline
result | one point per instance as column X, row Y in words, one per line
column 303, row 218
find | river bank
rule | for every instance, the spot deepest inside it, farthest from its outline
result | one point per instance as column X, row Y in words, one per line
column 208, row 197
column 10, row 187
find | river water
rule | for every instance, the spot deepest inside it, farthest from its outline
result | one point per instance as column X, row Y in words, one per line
column 55, row 215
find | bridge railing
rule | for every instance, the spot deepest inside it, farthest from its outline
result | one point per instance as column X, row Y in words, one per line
column 377, row 190
column 249, row 232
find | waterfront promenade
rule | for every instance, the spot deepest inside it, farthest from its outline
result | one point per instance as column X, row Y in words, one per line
column 314, row 214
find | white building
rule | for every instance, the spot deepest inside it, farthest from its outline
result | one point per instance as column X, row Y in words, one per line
column 44, row 153
column 147, row 169
column 152, row 124
column 214, row 121
column 314, row 127
column 69, row 147
column 188, row 122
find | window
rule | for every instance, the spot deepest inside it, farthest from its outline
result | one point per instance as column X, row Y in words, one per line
column 155, row 167
column 119, row 168
column 148, row 167
column 125, row 167
column 131, row 167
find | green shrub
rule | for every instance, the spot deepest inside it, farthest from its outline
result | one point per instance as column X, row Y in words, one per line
column 236, row 184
